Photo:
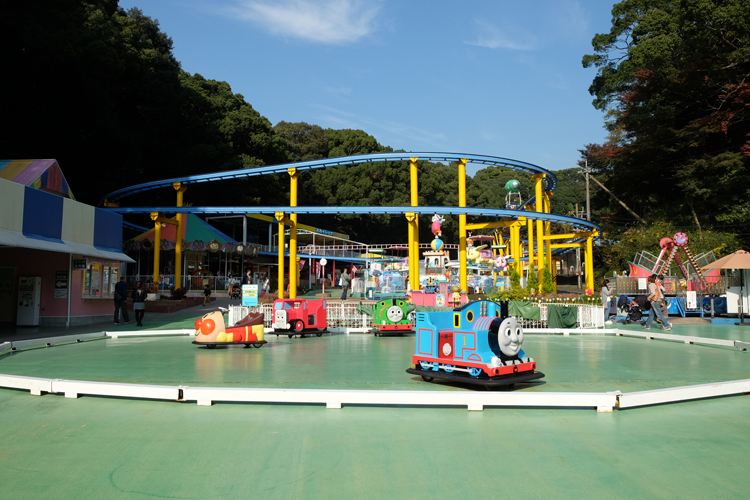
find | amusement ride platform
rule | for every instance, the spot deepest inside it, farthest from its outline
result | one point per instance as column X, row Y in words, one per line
column 142, row 448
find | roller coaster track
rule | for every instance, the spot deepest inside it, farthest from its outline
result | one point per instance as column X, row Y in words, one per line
column 331, row 162
column 551, row 184
column 424, row 210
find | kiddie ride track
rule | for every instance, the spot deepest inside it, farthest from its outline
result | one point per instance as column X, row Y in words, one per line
column 545, row 183
column 332, row 162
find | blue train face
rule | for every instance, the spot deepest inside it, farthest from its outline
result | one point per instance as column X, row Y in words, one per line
column 475, row 339
column 506, row 337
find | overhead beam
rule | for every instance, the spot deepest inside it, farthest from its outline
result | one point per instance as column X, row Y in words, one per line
column 499, row 213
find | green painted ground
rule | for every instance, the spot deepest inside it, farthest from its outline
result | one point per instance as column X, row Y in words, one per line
column 101, row 448
column 575, row 363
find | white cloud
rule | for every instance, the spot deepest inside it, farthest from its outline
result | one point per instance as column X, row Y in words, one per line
column 322, row 21
column 492, row 37
column 572, row 19
column 408, row 134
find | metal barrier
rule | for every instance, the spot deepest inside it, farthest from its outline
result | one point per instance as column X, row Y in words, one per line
column 589, row 316
column 344, row 315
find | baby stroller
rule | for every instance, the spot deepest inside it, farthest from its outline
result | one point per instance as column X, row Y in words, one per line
column 236, row 289
column 633, row 309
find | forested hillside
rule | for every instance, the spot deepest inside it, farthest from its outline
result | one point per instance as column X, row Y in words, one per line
column 99, row 89
column 674, row 82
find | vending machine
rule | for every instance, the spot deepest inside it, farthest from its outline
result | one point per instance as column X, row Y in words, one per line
column 29, row 301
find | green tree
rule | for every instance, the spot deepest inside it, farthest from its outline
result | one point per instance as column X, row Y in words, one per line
column 571, row 190
column 223, row 132
column 515, row 280
column 532, row 283
column 548, row 284
column 673, row 75
column 487, row 187
column 304, row 142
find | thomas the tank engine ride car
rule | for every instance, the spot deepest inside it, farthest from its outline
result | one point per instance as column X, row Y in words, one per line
column 477, row 343
column 389, row 316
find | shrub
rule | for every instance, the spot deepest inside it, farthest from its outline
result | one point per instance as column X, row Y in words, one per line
column 533, row 282
column 514, row 294
column 178, row 293
column 515, row 280
column 548, row 284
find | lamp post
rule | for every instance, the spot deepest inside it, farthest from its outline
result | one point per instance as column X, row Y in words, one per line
column 323, row 263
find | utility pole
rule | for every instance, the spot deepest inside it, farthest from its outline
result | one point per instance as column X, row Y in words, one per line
column 578, row 252
column 587, row 172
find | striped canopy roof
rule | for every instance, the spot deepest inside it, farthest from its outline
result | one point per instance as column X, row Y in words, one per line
column 38, row 174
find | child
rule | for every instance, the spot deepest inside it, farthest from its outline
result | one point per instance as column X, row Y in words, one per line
column 664, row 307
column 206, row 295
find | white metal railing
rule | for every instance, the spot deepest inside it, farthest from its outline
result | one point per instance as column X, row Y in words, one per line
column 338, row 315
column 345, row 315
column 589, row 316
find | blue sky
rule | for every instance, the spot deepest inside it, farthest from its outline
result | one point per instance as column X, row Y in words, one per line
column 500, row 78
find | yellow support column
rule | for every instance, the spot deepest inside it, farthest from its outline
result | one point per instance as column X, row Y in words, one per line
column 547, row 231
column 414, row 224
column 157, row 248
column 538, row 180
column 413, row 256
column 530, row 244
column 513, row 244
column 178, row 238
column 293, row 269
column 280, row 217
column 462, row 224
column 589, row 256
column 518, row 252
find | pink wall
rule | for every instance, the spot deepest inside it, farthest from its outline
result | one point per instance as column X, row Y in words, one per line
column 31, row 263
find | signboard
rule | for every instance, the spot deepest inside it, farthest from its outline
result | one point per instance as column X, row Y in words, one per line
column 79, row 263
column 61, row 284
column 249, row 295
column 642, row 284
column 691, row 299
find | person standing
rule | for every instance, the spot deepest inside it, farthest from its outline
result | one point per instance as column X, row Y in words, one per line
column 206, row 295
column 247, row 279
column 664, row 307
column 139, row 303
column 344, row 280
column 654, row 297
column 230, row 285
column 267, row 285
column 606, row 293
column 121, row 301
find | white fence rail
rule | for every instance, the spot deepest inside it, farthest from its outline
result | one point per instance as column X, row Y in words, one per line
column 345, row 315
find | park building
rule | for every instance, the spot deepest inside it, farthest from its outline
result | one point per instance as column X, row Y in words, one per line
column 59, row 259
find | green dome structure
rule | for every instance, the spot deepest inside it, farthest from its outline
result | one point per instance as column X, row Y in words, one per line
column 512, row 186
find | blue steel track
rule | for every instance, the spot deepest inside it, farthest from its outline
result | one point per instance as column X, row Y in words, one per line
column 551, row 184
column 356, row 209
column 331, row 162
